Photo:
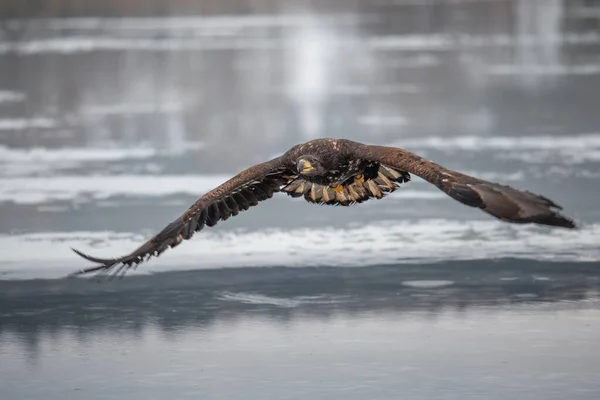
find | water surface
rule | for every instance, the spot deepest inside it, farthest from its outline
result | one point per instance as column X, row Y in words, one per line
column 111, row 125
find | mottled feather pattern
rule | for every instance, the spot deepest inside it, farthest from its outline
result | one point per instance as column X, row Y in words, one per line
column 343, row 172
column 379, row 182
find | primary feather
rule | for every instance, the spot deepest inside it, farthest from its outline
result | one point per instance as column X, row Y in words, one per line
column 335, row 172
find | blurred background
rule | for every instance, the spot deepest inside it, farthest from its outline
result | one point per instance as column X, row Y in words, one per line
column 116, row 115
column 254, row 77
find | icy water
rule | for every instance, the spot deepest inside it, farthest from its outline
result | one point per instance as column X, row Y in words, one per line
column 111, row 127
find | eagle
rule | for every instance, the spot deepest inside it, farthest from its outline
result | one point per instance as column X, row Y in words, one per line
column 338, row 172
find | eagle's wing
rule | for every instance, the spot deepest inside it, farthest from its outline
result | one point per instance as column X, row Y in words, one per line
column 503, row 202
column 241, row 192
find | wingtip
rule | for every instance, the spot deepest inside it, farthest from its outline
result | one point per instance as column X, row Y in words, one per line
column 104, row 264
column 79, row 253
column 104, row 261
column 558, row 220
column 569, row 224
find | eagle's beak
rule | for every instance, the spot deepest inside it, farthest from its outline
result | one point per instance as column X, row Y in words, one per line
column 304, row 166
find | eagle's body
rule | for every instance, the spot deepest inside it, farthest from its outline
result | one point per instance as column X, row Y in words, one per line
column 337, row 172
column 343, row 179
column 334, row 156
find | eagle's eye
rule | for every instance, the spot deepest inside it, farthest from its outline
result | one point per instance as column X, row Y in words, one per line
column 304, row 166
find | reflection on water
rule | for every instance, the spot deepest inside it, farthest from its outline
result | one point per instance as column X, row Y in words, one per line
column 365, row 70
column 178, row 299
column 348, row 332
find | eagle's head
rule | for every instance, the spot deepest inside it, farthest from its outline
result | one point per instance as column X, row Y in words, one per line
column 310, row 166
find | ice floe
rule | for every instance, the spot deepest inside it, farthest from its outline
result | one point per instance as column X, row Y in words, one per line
column 403, row 241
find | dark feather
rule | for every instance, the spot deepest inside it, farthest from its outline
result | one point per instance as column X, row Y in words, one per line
column 241, row 201
column 503, row 202
column 465, row 194
column 213, row 214
column 512, row 205
column 345, row 162
column 188, row 230
column 224, row 211
column 233, row 206
column 249, row 195
column 260, row 193
column 237, row 194
column 199, row 219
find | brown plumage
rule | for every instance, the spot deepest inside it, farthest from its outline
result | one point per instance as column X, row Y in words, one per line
column 336, row 172
column 374, row 183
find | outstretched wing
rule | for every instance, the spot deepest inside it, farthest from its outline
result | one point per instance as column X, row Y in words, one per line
column 241, row 192
column 503, row 202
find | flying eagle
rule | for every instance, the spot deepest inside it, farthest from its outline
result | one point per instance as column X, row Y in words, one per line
column 336, row 172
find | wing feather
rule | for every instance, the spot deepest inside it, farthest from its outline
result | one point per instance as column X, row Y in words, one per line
column 382, row 181
column 501, row 201
column 238, row 194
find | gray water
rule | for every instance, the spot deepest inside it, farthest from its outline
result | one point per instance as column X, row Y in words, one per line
column 114, row 120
